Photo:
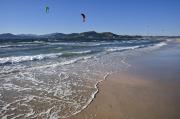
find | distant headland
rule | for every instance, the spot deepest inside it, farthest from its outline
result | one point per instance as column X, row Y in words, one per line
column 84, row 36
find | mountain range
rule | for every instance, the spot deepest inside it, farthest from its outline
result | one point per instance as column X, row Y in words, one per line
column 85, row 36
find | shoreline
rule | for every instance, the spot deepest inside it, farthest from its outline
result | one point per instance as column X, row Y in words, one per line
column 111, row 85
column 93, row 96
column 110, row 91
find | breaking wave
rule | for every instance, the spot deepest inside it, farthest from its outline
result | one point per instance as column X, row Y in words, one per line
column 17, row 59
column 114, row 49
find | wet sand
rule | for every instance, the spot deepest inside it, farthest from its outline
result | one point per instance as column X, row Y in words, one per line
column 150, row 89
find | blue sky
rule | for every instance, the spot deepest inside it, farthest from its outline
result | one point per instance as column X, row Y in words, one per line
column 132, row 17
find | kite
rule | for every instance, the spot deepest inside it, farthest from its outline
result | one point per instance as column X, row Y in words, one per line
column 47, row 9
column 84, row 17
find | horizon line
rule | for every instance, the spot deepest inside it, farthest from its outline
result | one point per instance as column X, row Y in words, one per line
column 85, row 32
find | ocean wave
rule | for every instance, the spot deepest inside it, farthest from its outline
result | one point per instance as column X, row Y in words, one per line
column 18, row 45
column 157, row 45
column 75, row 60
column 114, row 49
column 154, row 46
column 7, row 46
column 160, row 44
column 84, row 43
column 81, row 52
column 62, row 43
column 17, row 59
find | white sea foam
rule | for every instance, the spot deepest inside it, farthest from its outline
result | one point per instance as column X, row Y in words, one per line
column 18, row 116
column 17, row 45
column 93, row 95
column 9, row 46
column 159, row 44
column 121, row 48
column 67, row 62
column 4, row 46
column 82, row 52
column 16, row 59
column 74, row 60
column 155, row 46
column 62, row 43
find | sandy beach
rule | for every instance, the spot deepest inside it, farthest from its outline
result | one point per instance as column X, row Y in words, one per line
column 89, row 59
column 149, row 89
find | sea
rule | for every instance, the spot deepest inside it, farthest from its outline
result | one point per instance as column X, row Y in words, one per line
column 52, row 80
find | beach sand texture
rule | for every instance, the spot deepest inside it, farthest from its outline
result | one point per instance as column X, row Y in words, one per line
column 149, row 90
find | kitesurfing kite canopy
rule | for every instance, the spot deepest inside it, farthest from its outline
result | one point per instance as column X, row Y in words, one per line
column 84, row 17
column 47, row 9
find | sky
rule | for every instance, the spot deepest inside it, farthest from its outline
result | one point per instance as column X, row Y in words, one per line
column 124, row 17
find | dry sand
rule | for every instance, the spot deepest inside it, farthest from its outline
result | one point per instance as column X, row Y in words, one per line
column 147, row 91
column 124, row 96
